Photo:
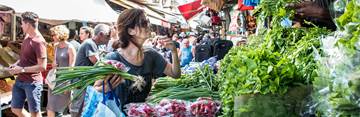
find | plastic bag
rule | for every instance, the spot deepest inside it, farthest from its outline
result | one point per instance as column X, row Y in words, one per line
column 336, row 88
column 50, row 78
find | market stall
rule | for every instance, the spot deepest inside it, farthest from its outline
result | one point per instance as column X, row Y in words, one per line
column 54, row 13
column 285, row 65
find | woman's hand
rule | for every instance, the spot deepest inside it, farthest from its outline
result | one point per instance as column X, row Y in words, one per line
column 54, row 65
column 309, row 9
column 168, row 43
column 114, row 80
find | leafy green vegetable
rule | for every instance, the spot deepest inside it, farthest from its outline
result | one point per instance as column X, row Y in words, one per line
column 337, row 88
column 283, row 58
column 201, row 83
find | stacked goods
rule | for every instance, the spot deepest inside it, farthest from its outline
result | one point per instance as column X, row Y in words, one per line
column 172, row 108
column 4, row 86
column 141, row 110
column 337, row 91
column 6, row 57
column 282, row 59
column 204, row 107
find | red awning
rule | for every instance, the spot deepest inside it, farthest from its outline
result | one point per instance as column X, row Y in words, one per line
column 191, row 9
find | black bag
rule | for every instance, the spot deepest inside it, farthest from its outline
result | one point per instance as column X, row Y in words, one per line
column 203, row 52
column 221, row 48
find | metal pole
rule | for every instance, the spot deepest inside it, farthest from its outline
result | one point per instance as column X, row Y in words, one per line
column 13, row 26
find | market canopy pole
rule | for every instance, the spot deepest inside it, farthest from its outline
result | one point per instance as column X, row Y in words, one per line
column 65, row 10
column 13, row 26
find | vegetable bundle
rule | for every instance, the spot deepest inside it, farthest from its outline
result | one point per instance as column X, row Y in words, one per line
column 204, row 107
column 284, row 58
column 338, row 88
column 83, row 76
column 173, row 108
column 201, row 83
column 140, row 110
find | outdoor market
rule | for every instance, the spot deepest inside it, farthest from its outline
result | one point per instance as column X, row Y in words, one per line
column 180, row 58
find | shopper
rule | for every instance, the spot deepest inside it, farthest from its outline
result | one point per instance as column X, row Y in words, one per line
column 73, row 35
column 65, row 55
column 187, row 53
column 133, row 31
column 33, row 60
column 85, row 33
column 88, row 55
column 114, row 38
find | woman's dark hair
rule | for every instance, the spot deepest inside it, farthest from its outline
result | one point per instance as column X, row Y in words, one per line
column 88, row 30
column 31, row 18
column 129, row 19
column 73, row 35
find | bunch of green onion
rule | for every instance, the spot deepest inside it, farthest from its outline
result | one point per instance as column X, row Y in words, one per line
column 79, row 77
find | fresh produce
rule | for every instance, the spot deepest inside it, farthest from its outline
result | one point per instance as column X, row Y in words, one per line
column 201, row 83
column 83, row 76
column 352, row 14
column 189, row 94
column 140, row 110
column 204, row 107
column 172, row 108
column 282, row 58
column 337, row 89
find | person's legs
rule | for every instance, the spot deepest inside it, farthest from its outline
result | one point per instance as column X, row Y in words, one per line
column 33, row 96
column 55, row 105
column 20, row 112
column 50, row 113
column 74, row 114
column 76, row 104
column 18, row 100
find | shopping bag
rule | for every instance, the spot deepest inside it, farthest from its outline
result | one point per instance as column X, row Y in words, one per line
column 91, row 101
column 109, row 106
column 50, row 78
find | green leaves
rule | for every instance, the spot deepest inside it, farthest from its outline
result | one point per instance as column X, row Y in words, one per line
column 201, row 83
column 84, row 76
column 275, row 60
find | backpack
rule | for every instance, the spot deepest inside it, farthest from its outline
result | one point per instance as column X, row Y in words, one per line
column 203, row 52
column 221, row 48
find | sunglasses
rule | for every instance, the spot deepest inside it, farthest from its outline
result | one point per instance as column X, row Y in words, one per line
column 145, row 23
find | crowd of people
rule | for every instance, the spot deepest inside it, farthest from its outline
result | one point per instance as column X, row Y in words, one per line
column 122, row 42
column 185, row 45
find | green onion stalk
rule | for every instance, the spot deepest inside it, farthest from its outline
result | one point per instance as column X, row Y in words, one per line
column 79, row 77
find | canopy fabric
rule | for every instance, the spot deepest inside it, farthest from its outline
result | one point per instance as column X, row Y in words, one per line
column 189, row 10
column 154, row 17
column 65, row 10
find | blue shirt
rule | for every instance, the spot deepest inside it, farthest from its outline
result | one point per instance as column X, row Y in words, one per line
column 186, row 56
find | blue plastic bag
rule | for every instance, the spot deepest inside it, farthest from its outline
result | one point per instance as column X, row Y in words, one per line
column 102, row 104
column 109, row 106
column 92, row 99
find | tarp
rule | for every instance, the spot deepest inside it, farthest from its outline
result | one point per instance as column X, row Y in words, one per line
column 189, row 10
column 65, row 10
column 154, row 17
